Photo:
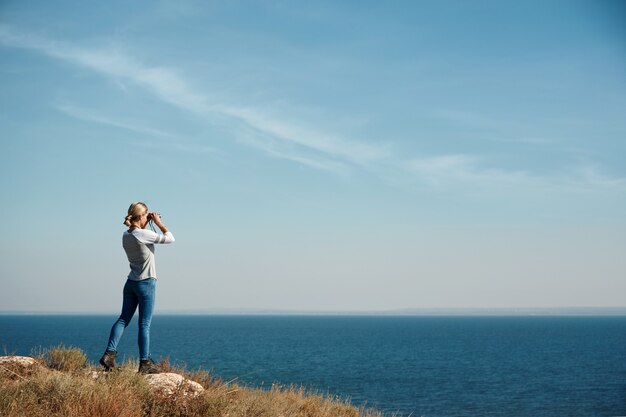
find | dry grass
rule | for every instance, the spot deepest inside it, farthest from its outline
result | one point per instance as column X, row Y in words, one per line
column 63, row 385
column 66, row 359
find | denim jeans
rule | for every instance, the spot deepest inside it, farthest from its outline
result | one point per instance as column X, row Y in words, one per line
column 136, row 294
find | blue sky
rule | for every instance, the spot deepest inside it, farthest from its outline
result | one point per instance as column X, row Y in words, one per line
column 316, row 155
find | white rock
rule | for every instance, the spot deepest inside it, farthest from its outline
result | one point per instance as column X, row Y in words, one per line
column 169, row 383
column 25, row 361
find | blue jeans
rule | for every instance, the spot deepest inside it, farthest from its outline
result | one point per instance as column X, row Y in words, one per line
column 136, row 294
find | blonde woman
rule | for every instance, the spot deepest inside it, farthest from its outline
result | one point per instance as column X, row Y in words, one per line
column 139, row 290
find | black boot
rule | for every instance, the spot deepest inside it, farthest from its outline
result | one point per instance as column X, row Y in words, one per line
column 148, row 367
column 108, row 360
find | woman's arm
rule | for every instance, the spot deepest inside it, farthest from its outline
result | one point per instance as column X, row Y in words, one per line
column 150, row 237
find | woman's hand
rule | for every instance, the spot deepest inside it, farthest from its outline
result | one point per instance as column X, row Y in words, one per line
column 156, row 218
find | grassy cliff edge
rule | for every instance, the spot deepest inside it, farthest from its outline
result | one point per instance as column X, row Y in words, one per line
column 62, row 382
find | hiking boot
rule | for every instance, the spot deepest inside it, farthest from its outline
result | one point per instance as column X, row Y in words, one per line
column 148, row 367
column 108, row 360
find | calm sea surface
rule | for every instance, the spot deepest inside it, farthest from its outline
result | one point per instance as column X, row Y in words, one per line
column 427, row 366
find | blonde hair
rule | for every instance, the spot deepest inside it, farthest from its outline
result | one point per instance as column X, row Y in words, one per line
column 134, row 212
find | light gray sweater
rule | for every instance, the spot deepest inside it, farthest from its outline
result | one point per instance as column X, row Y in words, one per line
column 139, row 247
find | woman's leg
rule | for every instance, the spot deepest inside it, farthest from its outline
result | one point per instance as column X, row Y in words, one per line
column 129, row 305
column 146, row 293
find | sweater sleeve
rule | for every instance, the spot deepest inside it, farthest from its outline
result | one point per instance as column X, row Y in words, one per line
column 149, row 237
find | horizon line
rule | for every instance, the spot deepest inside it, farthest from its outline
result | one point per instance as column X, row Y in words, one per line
column 430, row 311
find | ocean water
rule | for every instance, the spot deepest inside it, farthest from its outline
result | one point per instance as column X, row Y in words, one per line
column 419, row 366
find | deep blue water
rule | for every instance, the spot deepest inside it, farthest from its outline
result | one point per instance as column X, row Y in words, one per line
column 428, row 366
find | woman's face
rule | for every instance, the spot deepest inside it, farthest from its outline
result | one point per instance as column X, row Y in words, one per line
column 143, row 219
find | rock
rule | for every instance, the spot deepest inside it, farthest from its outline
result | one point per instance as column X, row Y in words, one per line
column 169, row 383
column 95, row 374
column 14, row 367
column 24, row 361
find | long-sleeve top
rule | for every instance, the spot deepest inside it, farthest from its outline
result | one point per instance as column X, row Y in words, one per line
column 139, row 247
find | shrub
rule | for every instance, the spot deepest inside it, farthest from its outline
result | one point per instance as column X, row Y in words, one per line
column 66, row 359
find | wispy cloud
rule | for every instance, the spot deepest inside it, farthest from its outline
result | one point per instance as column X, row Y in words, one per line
column 462, row 169
column 167, row 140
column 171, row 87
column 349, row 150
column 163, row 82
column 269, row 146
column 279, row 137
column 180, row 147
column 95, row 117
column 592, row 177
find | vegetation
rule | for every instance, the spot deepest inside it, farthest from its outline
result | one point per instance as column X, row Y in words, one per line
column 64, row 383
column 66, row 359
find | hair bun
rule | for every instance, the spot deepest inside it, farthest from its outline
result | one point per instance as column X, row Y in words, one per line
column 134, row 212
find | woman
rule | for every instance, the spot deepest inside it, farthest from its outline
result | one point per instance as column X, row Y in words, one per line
column 141, row 284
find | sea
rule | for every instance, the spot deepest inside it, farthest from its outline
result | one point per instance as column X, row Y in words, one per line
column 402, row 365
